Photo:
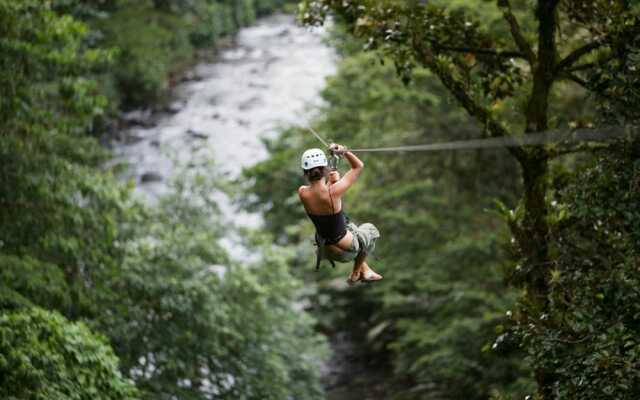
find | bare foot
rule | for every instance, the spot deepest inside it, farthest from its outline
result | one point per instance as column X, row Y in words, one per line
column 369, row 275
column 354, row 277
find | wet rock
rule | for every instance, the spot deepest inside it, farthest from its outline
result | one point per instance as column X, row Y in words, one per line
column 243, row 122
column 174, row 107
column 248, row 104
column 151, row 177
column 197, row 135
column 138, row 117
column 284, row 32
column 258, row 85
column 270, row 61
column 155, row 143
column 191, row 76
column 132, row 139
column 216, row 116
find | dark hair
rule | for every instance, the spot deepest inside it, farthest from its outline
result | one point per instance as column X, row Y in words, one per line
column 315, row 174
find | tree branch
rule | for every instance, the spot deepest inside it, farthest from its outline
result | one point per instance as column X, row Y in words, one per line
column 470, row 50
column 457, row 89
column 578, row 53
column 573, row 78
column 516, row 32
column 569, row 341
column 598, row 63
column 579, row 148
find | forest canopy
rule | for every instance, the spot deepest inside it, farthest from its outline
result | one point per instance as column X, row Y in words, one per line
column 501, row 69
column 103, row 296
column 509, row 273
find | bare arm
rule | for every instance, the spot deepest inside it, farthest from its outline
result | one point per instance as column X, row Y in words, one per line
column 340, row 187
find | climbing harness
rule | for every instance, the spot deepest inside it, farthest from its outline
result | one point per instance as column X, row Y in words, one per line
column 321, row 251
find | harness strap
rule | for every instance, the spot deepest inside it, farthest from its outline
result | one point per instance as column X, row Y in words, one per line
column 321, row 253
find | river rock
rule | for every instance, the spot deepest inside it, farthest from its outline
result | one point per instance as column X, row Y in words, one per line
column 258, row 85
column 132, row 139
column 174, row 107
column 248, row 104
column 151, row 177
column 197, row 135
column 191, row 76
column 270, row 61
column 138, row 117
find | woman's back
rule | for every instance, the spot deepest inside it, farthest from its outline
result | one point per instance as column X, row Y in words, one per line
column 319, row 200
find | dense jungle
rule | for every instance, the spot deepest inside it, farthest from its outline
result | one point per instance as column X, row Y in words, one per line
column 153, row 244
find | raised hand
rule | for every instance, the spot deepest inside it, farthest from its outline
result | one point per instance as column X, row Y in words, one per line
column 337, row 148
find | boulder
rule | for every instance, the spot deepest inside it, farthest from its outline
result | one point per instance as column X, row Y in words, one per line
column 151, row 177
column 197, row 135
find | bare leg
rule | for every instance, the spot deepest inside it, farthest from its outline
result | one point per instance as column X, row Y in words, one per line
column 356, row 272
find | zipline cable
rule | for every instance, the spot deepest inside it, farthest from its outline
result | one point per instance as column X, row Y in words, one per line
column 310, row 129
column 557, row 136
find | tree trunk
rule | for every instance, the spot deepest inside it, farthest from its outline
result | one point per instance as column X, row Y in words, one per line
column 534, row 170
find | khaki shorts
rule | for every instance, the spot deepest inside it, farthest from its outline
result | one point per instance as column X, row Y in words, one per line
column 364, row 241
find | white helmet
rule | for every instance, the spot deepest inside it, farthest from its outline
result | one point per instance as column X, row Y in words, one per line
column 313, row 158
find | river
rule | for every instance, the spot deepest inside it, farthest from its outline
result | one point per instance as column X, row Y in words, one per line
column 269, row 78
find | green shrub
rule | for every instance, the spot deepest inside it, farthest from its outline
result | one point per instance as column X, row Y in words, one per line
column 266, row 6
column 42, row 283
column 43, row 356
column 588, row 339
column 152, row 46
column 211, row 22
column 244, row 12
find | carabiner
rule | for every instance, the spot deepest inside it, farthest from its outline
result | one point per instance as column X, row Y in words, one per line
column 333, row 161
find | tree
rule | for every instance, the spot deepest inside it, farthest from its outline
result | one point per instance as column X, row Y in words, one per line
column 193, row 324
column 434, row 318
column 74, row 242
column 509, row 83
column 44, row 356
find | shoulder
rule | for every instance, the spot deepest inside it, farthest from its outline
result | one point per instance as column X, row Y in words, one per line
column 302, row 190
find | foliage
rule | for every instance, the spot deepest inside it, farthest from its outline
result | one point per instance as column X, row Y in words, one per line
column 508, row 74
column 74, row 242
column 588, row 335
column 39, row 46
column 156, row 39
column 44, row 356
column 147, row 57
column 443, row 295
column 193, row 323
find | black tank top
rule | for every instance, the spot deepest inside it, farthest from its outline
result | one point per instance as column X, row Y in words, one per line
column 331, row 227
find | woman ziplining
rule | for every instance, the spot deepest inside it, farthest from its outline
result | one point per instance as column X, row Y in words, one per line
column 336, row 238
